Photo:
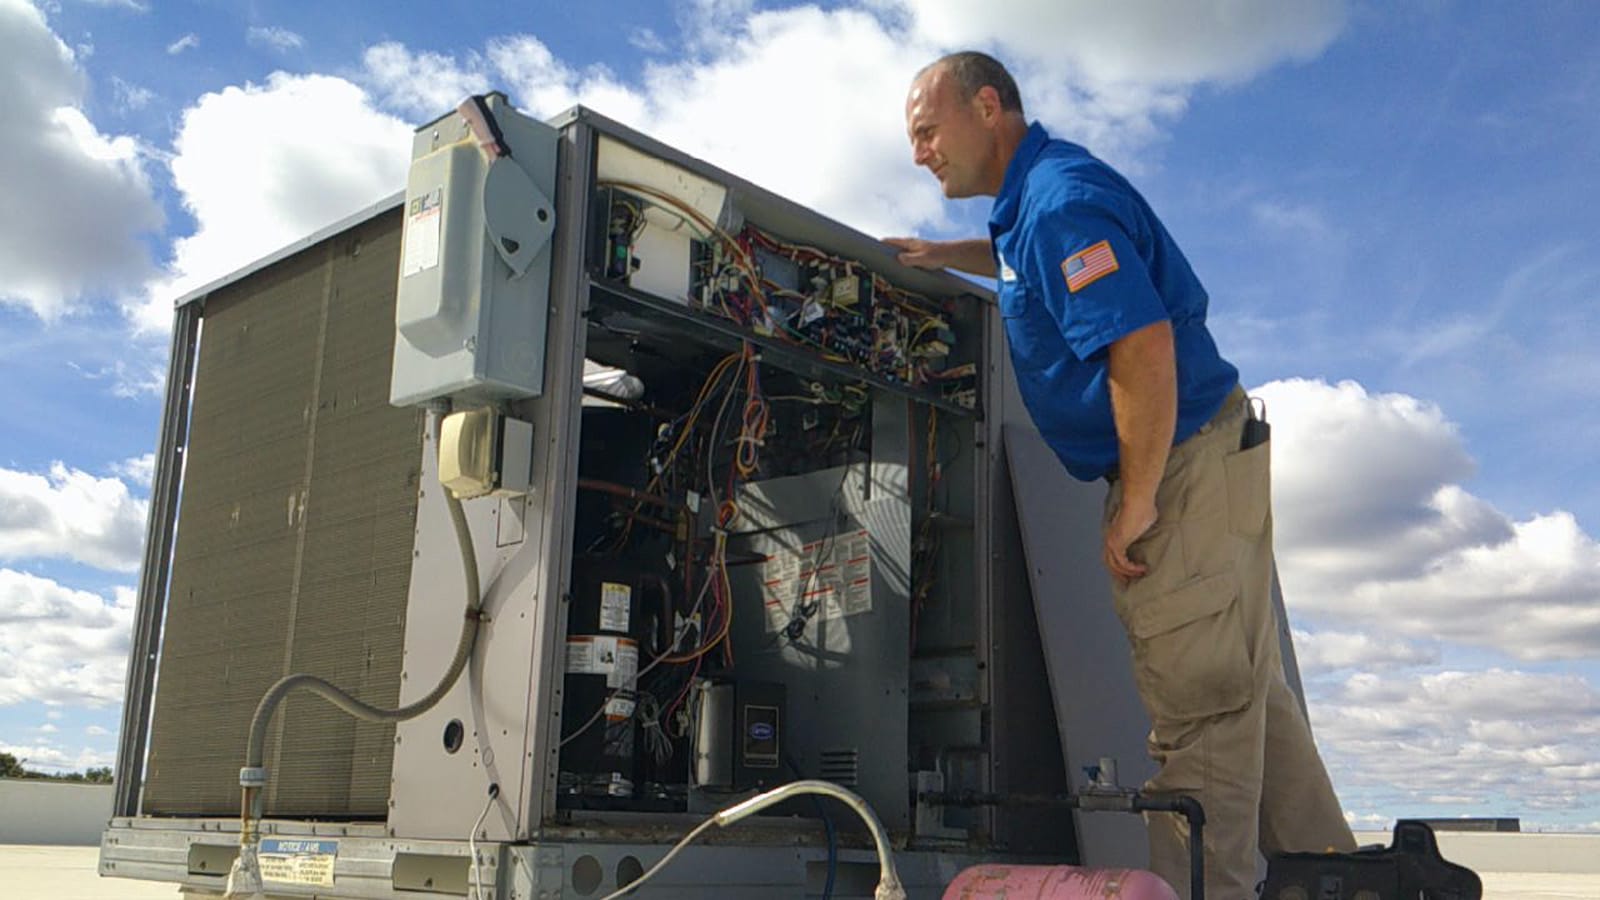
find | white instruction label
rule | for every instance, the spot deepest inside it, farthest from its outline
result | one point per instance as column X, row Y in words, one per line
column 424, row 221
column 627, row 664
column 580, row 656
column 614, row 601
column 298, row 862
column 617, row 658
column 834, row 574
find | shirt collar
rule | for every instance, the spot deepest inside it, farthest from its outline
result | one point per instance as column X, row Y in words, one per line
column 1008, row 202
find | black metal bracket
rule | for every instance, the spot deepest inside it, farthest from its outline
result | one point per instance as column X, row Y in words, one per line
column 1103, row 800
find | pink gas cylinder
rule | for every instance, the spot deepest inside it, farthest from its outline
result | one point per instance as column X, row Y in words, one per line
column 1003, row 882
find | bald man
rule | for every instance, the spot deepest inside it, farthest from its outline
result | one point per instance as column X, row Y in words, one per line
column 1106, row 323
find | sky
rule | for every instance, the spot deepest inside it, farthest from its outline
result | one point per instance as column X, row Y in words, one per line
column 1392, row 204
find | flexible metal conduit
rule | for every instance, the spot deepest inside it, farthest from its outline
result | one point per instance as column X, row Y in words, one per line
column 244, row 879
column 333, row 694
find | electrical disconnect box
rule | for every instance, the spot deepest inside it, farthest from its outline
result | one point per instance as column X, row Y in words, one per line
column 737, row 489
column 474, row 275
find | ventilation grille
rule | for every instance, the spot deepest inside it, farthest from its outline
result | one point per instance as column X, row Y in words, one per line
column 293, row 550
column 841, row 765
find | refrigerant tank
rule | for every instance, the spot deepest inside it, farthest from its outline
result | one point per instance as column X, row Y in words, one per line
column 994, row 882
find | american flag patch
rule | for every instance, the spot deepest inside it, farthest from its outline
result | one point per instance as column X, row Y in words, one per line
column 1088, row 266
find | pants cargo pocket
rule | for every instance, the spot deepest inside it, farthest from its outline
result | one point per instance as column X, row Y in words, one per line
column 1249, row 477
column 1190, row 656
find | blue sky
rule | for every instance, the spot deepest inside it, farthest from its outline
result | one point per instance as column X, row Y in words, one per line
column 1393, row 205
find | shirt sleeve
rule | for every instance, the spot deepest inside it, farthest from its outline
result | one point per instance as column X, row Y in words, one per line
column 1080, row 258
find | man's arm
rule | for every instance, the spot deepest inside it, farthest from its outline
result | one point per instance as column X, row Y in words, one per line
column 974, row 255
column 1144, row 402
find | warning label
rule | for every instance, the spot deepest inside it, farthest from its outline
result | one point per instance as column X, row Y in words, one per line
column 423, row 224
column 617, row 658
column 614, row 606
column 298, row 862
column 626, row 665
column 832, row 576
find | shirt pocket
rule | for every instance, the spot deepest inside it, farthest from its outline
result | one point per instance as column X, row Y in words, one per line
column 1027, row 329
column 1013, row 300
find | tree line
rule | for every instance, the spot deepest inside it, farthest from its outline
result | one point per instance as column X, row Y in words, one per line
column 11, row 767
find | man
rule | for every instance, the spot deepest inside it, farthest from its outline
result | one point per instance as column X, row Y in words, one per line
column 1106, row 324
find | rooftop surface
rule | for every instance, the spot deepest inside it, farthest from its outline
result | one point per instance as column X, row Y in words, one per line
column 70, row 873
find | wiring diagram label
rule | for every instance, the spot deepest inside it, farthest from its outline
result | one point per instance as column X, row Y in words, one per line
column 298, row 862
column 832, row 578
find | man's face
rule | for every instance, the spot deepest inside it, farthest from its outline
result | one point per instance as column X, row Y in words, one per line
column 949, row 135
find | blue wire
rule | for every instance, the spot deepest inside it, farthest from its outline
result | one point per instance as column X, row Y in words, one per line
column 827, row 826
column 833, row 848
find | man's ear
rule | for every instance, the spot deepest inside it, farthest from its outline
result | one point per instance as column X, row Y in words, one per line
column 988, row 100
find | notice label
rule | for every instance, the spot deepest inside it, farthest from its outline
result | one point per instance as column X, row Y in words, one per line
column 424, row 221
column 297, row 861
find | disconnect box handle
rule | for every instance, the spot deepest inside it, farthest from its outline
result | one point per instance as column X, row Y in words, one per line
column 479, row 118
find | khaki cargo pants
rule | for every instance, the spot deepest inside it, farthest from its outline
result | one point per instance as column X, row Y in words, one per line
column 1226, row 729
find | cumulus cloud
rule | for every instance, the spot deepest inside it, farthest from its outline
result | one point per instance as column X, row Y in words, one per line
column 139, row 470
column 748, row 82
column 59, row 645
column 56, row 759
column 735, row 99
column 1501, row 741
column 273, row 37
column 77, row 200
column 737, row 109
column 262, row 166
column 1325, row 651
column 1374, row 528
column 1161, row 42
column 70, row 514
column 1109, row 75
column 424, row 85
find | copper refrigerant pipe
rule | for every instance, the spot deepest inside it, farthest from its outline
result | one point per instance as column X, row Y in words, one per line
column 625, row 492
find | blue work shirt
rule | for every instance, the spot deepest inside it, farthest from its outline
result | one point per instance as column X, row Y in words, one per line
column 1083, row 261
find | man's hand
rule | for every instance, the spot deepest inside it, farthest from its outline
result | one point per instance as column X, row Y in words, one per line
column 916, row 252
column 972, row 255
column 1144, row 402
column 1130, row 524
